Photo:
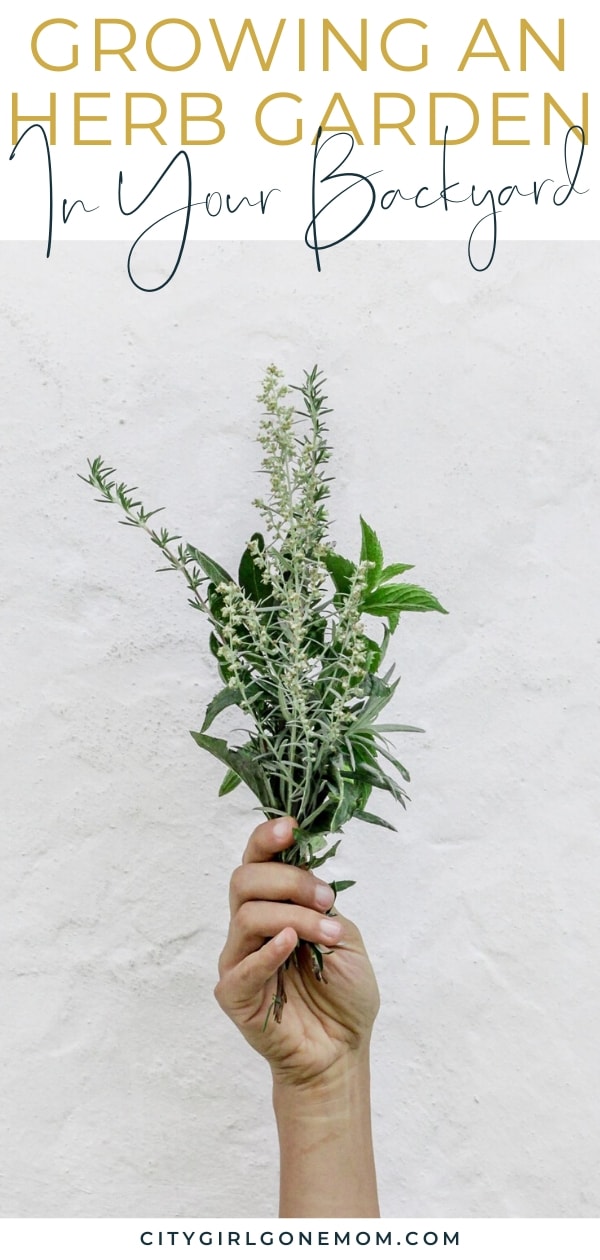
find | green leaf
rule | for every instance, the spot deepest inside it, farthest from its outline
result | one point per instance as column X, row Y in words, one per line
column 215, row 601
column 251, row 578
column 315, row 635
column 230, row 782
column 363, row 747
column 380, row 693
column 214, row 644
column 341, row 571
column 395, row 763
column 372, row 551
column 237, row 759
column 223, row 700
column 214, row 571
column 329, row 854
column 374, row 819
column 373, row 650
column 340, row 885
column 394, row 726
column 377, row 778
column 392, row 571
column 350, row 800
column 389, row 600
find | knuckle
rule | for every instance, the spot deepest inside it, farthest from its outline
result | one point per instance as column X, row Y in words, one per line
column 308, row 887
column 243, row 917
column 305, row 922
column 237, row 882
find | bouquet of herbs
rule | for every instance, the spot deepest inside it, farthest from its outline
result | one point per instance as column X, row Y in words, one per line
column 290, row 642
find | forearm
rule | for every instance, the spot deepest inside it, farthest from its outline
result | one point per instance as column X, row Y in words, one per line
column 327, row 1168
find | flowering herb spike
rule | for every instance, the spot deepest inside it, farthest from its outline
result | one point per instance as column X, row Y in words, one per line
column 290, row 642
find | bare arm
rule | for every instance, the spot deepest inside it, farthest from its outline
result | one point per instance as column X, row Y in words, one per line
column 319, row 1053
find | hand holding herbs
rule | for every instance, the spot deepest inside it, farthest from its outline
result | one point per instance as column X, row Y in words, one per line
column 319, row 1054
column 291, row 645
column 274, row 907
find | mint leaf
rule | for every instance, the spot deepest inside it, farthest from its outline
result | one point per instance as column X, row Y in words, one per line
column 340, row 570
column 372, row 551
column 392, row 571
column 388, row 600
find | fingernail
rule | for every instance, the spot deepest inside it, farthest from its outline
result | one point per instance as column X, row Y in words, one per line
column 330, row 931
column 282, row 828
column 323, row 895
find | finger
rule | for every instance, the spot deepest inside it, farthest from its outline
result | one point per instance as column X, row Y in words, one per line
column 246, row 982
column 269, row 838
column 257, row 920
column 276, row 881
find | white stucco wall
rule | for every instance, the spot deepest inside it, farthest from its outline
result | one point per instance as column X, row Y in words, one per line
column 466, row 429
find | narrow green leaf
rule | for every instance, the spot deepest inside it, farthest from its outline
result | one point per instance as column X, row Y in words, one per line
column 341, row 571
column 223, row 700
column 340, row 885
column 214, row 571
column 374, row 819
column 395, row 726
column 395, row 763
column 380, row 695
column 387, row 634
column 230, row 782
column 372, row 551
column 377, row 778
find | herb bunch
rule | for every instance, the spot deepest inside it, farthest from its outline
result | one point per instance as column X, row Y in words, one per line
column 290, row 642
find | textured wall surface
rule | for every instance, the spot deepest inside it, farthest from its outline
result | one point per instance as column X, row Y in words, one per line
column 466, row 428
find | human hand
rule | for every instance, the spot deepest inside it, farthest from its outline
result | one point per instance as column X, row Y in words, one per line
column 273, row 906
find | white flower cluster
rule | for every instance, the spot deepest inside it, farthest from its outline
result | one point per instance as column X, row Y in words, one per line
column 306, row 656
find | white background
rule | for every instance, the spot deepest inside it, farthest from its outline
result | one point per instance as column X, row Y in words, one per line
column 466, row 430
column 244, row 164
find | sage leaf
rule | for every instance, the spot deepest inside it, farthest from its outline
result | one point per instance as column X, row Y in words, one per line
column 250, row 576
column 240, row 760
column 214, row 571
column 223, row 700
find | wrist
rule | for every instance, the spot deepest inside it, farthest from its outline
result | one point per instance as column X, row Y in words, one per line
column 337, row 1089
column 324, row 1126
